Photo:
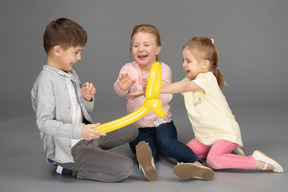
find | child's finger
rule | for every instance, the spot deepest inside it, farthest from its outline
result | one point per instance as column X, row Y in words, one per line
column 85, row 84
column 88, row 86
column 93, row 91
column 96, row 131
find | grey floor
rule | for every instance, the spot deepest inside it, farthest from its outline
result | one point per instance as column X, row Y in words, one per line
column 252, row 40
column 23, row 168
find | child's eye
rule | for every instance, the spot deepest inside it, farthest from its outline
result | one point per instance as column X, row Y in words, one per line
column 186, row 61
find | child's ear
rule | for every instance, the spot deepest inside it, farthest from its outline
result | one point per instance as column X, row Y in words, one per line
column 206, row 65
column 158, row 50
column 57, row 50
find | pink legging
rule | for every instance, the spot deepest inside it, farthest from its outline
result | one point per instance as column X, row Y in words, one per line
column 219, row 155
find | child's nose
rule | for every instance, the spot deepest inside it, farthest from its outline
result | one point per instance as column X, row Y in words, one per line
column 79, row 57
column 140, row 48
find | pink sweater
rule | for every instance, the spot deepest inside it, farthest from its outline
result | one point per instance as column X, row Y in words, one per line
column 149, row 120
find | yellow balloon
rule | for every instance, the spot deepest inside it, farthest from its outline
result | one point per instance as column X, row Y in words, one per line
column 151, row 103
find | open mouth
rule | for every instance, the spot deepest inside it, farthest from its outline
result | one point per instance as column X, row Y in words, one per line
column 187, row 71
column 142, row 56
column 72, row 64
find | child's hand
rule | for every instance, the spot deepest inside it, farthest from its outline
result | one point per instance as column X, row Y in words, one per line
column 134, row 95
column 88, row 133
column 87, row 91
column 125, row 82
column 138, row 93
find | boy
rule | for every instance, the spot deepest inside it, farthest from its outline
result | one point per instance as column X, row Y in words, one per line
column 62, row 105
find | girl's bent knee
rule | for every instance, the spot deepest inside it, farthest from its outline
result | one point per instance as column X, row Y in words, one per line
column 213, row 163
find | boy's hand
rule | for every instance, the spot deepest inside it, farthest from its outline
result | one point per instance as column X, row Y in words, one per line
column 88, row 133
column 87, row 91
column 125, row 82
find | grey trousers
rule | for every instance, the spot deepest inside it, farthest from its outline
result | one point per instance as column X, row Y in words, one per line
column 93, row 161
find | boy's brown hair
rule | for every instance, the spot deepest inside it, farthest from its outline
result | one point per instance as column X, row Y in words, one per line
column 65, row 33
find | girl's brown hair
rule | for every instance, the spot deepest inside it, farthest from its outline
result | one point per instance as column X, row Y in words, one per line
column 205, row 48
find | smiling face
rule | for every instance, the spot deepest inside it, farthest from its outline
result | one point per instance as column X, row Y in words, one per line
column 145, row 49
column 66, row 59
column 193, row 65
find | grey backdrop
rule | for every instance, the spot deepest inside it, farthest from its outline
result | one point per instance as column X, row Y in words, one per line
column 251, row 36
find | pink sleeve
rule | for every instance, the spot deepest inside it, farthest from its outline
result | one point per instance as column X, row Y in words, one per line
column 118, row 91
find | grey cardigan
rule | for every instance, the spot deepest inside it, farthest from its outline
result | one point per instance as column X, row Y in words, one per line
column 51, row 103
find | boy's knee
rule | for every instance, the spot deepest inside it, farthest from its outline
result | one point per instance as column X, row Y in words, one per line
column 133, row 134
column 124, row 171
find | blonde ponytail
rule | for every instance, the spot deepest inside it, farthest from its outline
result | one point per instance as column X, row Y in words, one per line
column 219, row 77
